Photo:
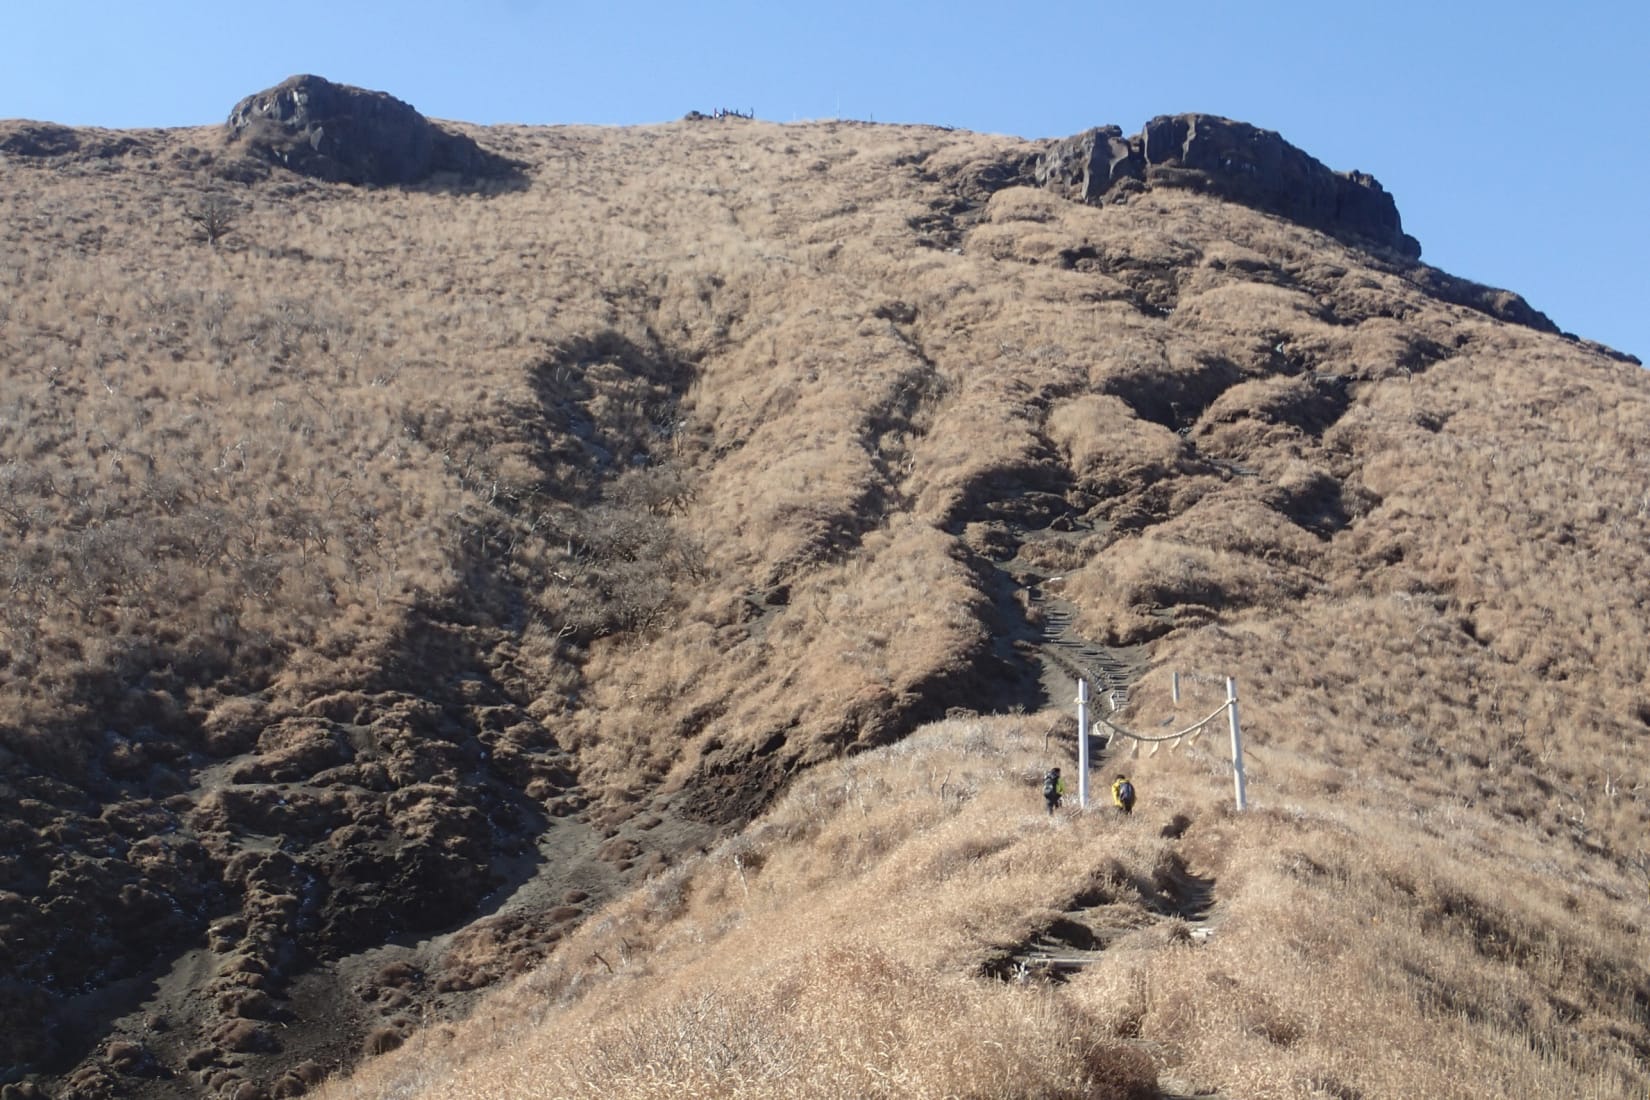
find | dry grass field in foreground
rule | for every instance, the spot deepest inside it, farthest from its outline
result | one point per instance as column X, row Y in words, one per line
column 842, row 946
column 410, row 581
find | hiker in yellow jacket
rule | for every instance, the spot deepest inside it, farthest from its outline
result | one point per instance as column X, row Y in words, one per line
column 1122, row 793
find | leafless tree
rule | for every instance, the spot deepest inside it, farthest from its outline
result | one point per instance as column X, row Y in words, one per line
column 213, row 217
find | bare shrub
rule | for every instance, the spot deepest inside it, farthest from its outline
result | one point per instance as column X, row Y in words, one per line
column 214, row 217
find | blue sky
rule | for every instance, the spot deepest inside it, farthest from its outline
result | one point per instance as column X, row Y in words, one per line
column 1515, row 136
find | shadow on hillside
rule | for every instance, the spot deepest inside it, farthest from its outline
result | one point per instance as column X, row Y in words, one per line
column 1022, row 684
column 137, row 690
column 1176, row 890
column 1174, row 396
column 577, row 446
column 472, row 187
column 447, row 656
column 504, row 177
column 463, row 166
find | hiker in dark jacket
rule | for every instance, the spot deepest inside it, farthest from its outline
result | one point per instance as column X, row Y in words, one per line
column 1053, row 788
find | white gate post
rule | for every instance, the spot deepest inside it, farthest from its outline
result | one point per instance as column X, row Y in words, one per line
column 1237, row 742
column 1083, row 744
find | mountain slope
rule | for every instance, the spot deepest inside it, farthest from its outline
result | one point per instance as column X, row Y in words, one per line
column 911, row 923
column 403, row 574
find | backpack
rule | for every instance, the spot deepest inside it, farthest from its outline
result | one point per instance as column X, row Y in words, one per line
column 1125, row 793
column 1051, row 785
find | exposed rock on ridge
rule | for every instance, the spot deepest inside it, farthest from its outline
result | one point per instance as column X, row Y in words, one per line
column 1233, row 160
column 38, row 139
column 344, row 134
column 26, row 138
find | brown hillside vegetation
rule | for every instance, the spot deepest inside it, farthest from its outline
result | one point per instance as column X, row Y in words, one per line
column 582, row 627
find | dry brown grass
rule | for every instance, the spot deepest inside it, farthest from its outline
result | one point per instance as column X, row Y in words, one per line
column 1358, row 947
column 326, row 419
column 697, row 439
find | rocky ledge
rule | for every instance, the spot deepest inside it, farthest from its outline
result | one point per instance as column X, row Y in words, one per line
column 1232, row 160
column 351, row 135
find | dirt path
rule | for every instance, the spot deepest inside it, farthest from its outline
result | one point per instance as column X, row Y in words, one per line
column 1092, row 923
column 1037, row 624
column 1178, row 902
column 1068, row 657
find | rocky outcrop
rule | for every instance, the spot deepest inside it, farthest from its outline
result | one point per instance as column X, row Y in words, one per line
column 367, row 817
column 343, row 134
column 38, row 139
column 23, row 138
column 1088, row 166
column 1504, row 305
column 1232, row 160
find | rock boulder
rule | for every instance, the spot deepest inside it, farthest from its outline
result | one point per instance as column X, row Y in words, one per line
column 343, row 134
column 1089, row 165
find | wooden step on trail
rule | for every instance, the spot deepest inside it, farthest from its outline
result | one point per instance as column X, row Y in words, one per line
column 1108, row 671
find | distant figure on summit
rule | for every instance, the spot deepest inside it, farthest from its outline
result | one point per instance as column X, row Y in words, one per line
column 1053, row 788
column 1122, row 793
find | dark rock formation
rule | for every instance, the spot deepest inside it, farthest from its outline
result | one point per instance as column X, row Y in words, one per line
column 338, row 133
column 1501, row 304
column 38, row 139
column 1233, row 160
column 23, row 138
column 1086, row 167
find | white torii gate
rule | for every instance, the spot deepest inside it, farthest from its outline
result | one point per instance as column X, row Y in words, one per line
column 1230, row 707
